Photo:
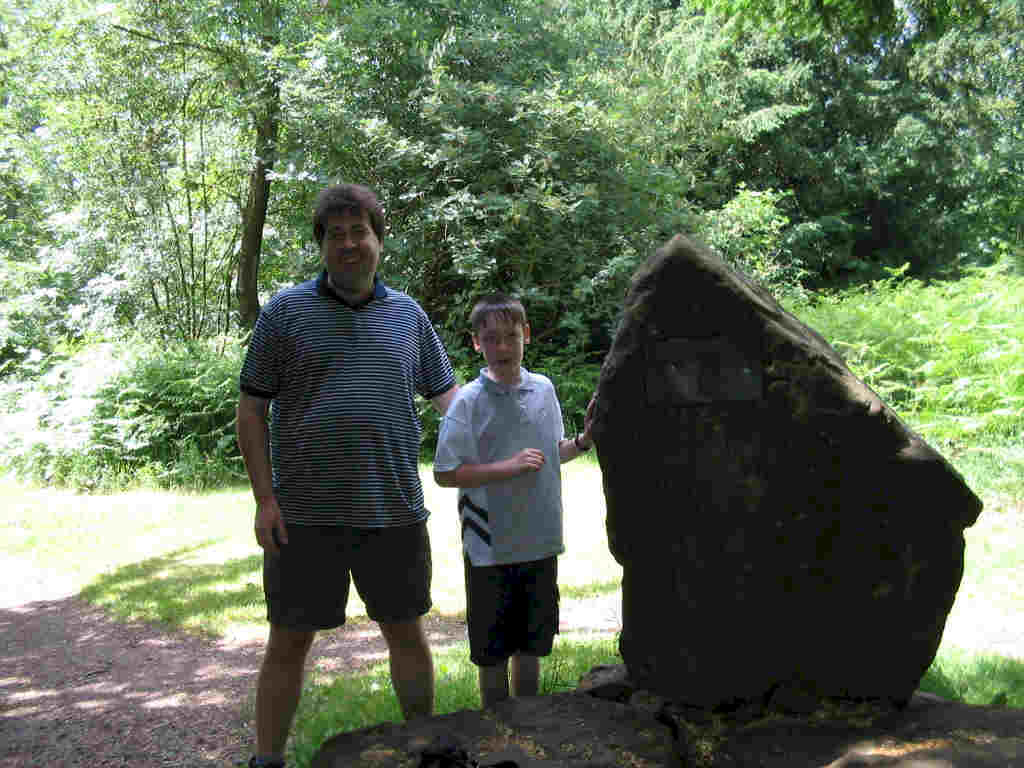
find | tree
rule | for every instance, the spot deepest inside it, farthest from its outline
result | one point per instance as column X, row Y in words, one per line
column 245, row 47
column 166, row 138
column 34, row 297
column 863, row 25
column 871, row 164
column 509, row 182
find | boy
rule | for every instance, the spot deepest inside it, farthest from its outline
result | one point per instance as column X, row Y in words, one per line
column 501, row 444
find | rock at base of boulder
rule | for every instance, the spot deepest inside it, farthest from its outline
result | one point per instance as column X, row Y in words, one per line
column 609, row 682
column 566, row 729
column 577, row 730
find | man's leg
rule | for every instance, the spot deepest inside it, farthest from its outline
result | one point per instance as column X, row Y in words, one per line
column 412, row 668
column 524, row 674
column 493, row 683
column 279, row 687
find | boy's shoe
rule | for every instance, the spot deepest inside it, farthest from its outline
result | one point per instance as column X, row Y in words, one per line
column 255, row 762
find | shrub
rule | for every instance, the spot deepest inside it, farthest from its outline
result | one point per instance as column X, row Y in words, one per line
column 116, row 415
column 747, row 232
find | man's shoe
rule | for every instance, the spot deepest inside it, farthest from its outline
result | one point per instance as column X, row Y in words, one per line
column 444, row 752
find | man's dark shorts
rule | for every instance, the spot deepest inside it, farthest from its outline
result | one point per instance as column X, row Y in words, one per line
column 511, row 609
column 306, row 587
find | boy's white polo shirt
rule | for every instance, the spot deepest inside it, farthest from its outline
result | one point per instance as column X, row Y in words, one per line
column 516, row 520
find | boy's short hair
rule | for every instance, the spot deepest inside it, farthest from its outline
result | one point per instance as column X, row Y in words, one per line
column 347, row 198
column 501, row 304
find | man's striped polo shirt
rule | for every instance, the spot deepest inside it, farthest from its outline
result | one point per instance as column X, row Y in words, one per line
column 344, row 433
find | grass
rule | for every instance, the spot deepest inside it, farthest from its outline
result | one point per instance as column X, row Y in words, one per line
column 949, row 357
column 191, row 561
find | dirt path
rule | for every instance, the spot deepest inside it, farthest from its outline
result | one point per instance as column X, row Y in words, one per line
column 80, row 689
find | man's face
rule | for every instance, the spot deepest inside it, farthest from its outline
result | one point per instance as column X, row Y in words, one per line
column 351, row 253
column 501, row 343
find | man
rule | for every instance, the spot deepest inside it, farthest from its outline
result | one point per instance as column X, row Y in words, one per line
column 338, row 361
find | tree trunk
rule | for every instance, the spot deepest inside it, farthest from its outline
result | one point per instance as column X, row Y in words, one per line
column 254, row 215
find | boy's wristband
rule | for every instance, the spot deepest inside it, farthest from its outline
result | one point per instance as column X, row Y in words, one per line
column 580, row 448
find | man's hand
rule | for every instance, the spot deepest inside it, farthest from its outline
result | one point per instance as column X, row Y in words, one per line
column 527, row 460
column 269, row 522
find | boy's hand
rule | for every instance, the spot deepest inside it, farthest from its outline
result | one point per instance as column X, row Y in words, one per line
column 588, row 422
column 528, row 460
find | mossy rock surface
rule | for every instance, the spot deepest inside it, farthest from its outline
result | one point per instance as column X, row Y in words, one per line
column 578, row 730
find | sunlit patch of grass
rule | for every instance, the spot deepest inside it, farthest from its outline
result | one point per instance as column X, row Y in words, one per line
column 587, row 568
column 191, row 561
column 586, row 591
column 987, row 616
column 978, row 679
column 179, row 590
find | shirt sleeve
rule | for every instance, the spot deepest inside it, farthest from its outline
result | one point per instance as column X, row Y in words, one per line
column 455, row 443
column 261, row 371
column 559, row 422
column 435, row 370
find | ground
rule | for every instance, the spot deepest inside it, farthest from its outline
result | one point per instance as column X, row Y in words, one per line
column 78, row 688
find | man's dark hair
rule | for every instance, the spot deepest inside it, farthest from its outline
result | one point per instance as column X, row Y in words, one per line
column 501, row 304
column 347, row 198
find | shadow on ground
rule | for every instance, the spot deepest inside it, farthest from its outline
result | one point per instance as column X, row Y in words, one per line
column 78, row 687
column 182, row 592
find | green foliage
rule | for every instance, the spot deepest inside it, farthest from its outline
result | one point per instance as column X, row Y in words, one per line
column 541, row 148
column 114, row 416
column 984, row 680
column 34, row 317
column 869, row 145
column 948, row 356
column 514, row 187
column 858, row 23
column 747, row 233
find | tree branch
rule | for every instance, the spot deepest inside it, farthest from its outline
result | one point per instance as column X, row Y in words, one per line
column 173, row 43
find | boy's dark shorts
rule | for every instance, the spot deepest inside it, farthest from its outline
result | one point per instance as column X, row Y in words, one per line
column 306, row 586
column 511, row 609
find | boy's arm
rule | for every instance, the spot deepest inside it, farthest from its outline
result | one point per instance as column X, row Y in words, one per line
column 475, row 475
column 570, row 448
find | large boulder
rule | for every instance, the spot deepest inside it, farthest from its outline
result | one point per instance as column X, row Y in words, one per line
column 782, row 533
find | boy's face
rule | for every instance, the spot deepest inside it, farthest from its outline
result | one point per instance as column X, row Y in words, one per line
column 501, row 343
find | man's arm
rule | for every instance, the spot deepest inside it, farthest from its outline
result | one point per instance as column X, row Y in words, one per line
column 253, row 437
column 442, row 401
column 475, row 475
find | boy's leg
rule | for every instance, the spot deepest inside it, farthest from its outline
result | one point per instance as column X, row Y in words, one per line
column 524, row 675
column 493, row 683
column 412, row 668
column 279, row 686
column 538, row 603
column 487, row 598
